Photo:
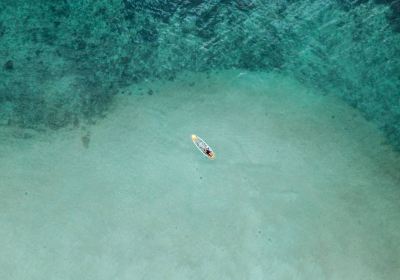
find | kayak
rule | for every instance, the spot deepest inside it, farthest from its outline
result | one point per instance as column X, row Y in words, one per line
column 203, row 147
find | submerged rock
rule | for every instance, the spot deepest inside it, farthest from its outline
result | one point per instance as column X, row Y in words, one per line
column 9, row 65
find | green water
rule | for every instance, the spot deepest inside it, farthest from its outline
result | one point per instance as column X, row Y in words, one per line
column 349, row 48
column 99, row 178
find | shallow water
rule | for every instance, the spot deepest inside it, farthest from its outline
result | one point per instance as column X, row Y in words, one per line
column 99, row 177
column 304, row 192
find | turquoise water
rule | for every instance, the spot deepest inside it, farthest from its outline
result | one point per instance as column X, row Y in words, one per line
column 349, row 48
column 300, row 101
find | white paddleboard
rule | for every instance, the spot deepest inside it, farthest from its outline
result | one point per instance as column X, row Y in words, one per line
column 203, row 147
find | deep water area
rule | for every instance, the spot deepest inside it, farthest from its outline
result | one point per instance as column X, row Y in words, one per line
column 62, row 62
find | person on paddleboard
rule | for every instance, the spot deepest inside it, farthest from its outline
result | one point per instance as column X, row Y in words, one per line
column 203, row 147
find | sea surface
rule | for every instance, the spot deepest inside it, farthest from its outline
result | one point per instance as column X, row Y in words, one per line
column 299, row 100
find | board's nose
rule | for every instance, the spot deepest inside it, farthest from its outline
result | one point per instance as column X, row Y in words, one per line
column 194, row 137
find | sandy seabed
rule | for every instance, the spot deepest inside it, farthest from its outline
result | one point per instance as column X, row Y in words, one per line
column 302, row 188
